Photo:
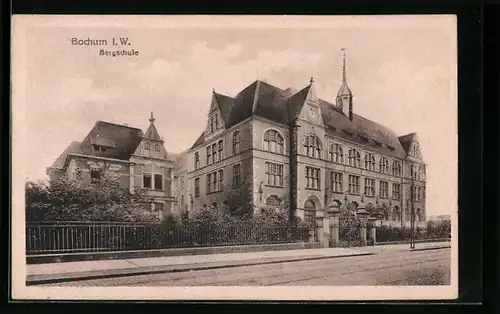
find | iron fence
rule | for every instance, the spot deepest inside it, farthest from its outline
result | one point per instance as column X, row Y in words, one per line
column 73, row 237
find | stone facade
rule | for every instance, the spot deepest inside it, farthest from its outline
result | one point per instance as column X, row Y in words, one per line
column 296, row 146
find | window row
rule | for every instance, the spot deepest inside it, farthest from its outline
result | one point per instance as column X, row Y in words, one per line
column 274, row 142
column 274, row 174
column 313, row 178
column 215, row 180
column 215, row 152
column 337, row 185
column 149, row 146
column 214, row 123
column 152, row 181
column 418, row 193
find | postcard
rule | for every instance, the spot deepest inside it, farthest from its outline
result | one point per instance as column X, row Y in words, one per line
column 234, row 157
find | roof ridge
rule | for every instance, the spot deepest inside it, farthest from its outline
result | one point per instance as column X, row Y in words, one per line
column 116, row 124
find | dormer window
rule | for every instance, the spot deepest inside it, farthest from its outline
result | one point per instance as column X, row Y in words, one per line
column 99, row 148
column 157, row 147
column 146, row 145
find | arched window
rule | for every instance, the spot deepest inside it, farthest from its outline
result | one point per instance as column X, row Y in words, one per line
column 354, row 158
column 384, row 165
column 336, row 154
column 370, row 162
column 236, row 142
column 312, row 146
column 273, row 201
column 396, row 168
column 310, row 205
column 221, row 149
column 273, row 142
column 196, row 160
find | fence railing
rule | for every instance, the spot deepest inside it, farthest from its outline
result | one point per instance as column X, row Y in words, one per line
column 73, row 237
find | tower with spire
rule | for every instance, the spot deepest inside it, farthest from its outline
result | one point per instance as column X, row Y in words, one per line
column 344, row 95
column 152, row 145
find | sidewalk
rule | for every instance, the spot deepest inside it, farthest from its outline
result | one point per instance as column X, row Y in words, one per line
column 57, row 272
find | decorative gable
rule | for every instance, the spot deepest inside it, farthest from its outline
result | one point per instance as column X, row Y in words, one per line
column 215, row 121
column 310, row 109
column 151, row 145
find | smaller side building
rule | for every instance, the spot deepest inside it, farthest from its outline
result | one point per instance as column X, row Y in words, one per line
column 134, row 158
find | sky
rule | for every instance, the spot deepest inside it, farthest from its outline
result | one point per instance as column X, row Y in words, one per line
column 401, row 70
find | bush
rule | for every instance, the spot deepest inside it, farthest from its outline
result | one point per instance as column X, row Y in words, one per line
column 66, row 199
column 434, row 230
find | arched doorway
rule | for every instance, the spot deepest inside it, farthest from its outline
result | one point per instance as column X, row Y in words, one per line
column 396, row 213
column 273, row 201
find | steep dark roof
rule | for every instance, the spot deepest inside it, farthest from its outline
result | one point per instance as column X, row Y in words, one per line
column 242, row 107
column 125, row 138
column 278, row 105
column 73, row 147
column 225, row 103
column 406, row 140
column 200, row 140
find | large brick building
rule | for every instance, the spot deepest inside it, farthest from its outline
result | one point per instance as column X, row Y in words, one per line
column 295, row 145
column 134, row 158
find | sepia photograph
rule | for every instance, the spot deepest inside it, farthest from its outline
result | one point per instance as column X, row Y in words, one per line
column 234, row 157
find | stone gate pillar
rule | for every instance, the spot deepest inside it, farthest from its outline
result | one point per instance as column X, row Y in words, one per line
column 363, row 217
column 373, row 229
column 333, row 217
column 324, row 233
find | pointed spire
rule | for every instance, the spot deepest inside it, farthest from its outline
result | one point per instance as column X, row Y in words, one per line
column 312, row 80
column 213, row 90
column 344, row 89
column 152, row 118
column 344, row 78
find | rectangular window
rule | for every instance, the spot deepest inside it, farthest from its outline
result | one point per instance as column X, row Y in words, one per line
column 214, row 182
column 236, row 175
column 214, row 153
column 313, row 178
column 209, row 155
column 95, row 175
column 384, row 189
column 416, row 196
column 336, row 180
column 221, row 180
column 274, row 174
column 158, row 182
column 146, row 145
column 197, row 187
column 396, row 191
column 369, row 187
column 146, row 181
column 209, row 183
column 353, row 184
column 157, row 147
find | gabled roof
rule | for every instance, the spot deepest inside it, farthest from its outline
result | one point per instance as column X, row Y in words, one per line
column 225, row 103
column 125, row 138
column 152, row 133
column 278, row 105
column 73, row 147
column 406, row 140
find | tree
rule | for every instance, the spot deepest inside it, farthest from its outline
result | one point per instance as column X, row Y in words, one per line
column 238, row 201
column 66, row 199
